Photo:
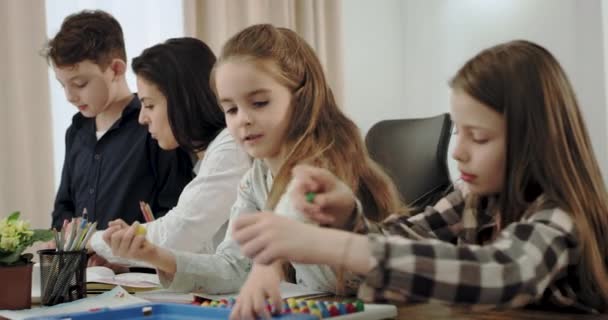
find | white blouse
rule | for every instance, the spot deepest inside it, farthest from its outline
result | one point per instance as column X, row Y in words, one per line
column 198, row 222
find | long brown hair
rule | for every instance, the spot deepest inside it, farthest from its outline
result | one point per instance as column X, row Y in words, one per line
column 319, row 133
column 548, row 148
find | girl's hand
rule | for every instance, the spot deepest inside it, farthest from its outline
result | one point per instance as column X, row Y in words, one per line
column 266, row 237
column 262, row 283
column 332, row 202
column 125, row 242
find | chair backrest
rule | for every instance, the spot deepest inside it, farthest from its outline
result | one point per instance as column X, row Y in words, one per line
column 414, row 154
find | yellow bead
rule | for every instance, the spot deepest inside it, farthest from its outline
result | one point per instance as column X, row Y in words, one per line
column 141, row 230
column 317, row 313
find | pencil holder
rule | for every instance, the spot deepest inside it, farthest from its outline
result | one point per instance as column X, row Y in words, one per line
column 62, row 276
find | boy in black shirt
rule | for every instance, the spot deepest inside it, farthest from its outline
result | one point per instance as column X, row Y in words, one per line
column 111, row 162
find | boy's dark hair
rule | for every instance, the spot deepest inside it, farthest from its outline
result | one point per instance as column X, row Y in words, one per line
column 180, row 68
column 87, row 35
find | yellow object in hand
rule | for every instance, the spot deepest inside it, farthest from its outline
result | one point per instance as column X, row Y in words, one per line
column 141, row 230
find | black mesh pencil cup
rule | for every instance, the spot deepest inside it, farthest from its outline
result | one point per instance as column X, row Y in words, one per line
column 62, row 276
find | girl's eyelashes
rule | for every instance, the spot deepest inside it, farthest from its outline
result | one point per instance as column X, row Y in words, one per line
column 480, row 140
column 255, row 104
column 260, row 104
column 149, row 106
column 82, row 85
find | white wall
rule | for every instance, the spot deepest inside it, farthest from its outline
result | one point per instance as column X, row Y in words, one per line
column 142, row 26
column 413, row 47
column 373, row 61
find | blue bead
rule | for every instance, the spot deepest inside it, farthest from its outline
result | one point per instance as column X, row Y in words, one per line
column 325, row 312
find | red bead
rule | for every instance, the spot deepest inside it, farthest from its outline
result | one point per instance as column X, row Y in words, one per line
column 350, row 308
column 333, row 311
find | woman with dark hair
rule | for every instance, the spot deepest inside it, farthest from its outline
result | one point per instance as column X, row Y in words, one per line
column 181, row 111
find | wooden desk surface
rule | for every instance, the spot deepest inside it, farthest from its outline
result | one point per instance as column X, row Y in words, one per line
column 434, row 311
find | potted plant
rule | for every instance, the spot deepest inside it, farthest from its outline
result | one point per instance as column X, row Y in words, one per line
column 15, row 266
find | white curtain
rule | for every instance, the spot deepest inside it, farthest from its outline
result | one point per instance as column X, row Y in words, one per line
column 26, row 146
column 317, row 21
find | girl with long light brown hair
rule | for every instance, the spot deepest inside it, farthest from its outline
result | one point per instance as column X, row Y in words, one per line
column 279, row 107
column 528, row 224
column 277, row 102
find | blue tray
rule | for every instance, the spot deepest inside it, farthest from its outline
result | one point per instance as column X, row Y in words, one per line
column 164, row 311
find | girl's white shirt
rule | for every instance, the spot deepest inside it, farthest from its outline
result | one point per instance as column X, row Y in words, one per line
column 226, row 270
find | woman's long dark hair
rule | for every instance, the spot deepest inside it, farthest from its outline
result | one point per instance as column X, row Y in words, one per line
column 180, row 68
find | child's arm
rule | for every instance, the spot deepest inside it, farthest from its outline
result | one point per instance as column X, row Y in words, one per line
column 443, row 221
column 64, row 206
column 513, row 271
column 333, row 203
column 221, row 272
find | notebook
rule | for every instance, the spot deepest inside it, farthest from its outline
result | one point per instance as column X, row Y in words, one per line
column 101, row 278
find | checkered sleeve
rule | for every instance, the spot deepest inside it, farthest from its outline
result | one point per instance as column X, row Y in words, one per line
column 512, row 271
column 441, row 221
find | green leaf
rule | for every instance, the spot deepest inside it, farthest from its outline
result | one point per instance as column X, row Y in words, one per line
column 11, row 258
column 13, row 217
column 42, row 235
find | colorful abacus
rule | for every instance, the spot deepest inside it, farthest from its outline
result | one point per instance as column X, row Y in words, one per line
column 318, row 308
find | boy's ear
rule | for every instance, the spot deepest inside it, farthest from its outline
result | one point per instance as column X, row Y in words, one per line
column 119, row 67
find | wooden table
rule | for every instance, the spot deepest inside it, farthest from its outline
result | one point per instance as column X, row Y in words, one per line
column 427, row 311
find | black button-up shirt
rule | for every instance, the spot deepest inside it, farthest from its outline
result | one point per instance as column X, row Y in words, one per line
column 111, row 175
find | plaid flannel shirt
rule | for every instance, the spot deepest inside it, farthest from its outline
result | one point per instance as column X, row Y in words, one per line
column 438, row 255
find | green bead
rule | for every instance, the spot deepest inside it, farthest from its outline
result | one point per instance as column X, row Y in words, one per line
column 310, row 197
column 360, row 305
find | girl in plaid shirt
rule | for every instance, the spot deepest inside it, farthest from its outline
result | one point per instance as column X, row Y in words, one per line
column 527, row 225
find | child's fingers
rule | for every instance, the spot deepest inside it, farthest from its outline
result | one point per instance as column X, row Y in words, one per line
column 265, row 255
column 236, row 311
column 259, row 305
column 275, row 298
column 302, row 205
column 245, row 221
column 254, row 246
column 246, row 309
column 245, row 234
column 324, row 200
column 323, row 218
column 305, row 184
column 323, row 177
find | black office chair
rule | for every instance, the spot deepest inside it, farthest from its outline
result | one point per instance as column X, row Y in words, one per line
column 414, row 154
